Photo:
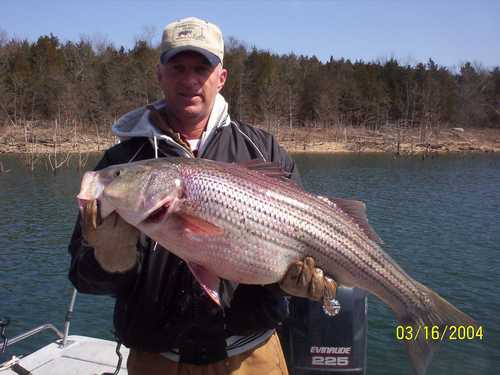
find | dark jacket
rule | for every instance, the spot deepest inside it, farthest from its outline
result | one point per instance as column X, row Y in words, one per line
column 159, row 304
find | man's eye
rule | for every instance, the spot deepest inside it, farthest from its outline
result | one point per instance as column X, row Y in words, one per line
column 176, row 68
column 202, row 70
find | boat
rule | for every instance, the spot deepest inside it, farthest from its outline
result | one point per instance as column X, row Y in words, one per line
column 66, row 355
column 314, row 343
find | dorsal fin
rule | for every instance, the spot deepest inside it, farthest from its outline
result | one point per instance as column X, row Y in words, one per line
column 357, row 212
column 269, row 169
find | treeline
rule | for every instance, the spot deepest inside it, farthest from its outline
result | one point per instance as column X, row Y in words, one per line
column 96, row 83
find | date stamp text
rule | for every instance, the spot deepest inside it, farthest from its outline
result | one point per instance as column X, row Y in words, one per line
column 439, row 333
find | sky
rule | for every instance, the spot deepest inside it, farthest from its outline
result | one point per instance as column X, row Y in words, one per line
column 449, row 32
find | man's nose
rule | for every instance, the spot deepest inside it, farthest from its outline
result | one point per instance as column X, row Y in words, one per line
column 190, row 78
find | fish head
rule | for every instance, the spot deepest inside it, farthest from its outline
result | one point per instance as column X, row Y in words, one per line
column 138, row 191
column 92, row 187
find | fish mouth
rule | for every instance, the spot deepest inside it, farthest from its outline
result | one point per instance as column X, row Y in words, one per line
column 82, row 202
column 90, row 210
column 98, row 208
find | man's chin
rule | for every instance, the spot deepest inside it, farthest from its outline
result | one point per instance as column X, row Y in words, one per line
column 190, row 115
column 192, row 111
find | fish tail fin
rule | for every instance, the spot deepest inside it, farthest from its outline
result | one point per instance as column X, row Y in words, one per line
column 438, row 313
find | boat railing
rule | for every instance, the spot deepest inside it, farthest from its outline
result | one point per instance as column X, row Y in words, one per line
column 5, row 342
column 62, row 339
column 32, row 332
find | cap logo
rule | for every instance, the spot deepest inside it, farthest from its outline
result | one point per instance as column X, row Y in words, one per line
column 192, row 34
column 188, row 32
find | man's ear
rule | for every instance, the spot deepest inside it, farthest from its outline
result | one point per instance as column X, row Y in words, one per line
column 222, row 79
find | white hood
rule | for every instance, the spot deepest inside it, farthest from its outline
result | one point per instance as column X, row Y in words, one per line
column 136, row 123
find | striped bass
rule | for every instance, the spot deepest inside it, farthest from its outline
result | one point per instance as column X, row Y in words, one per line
column 243, row 223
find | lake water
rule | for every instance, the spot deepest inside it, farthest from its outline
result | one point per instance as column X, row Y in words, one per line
column 439, row 218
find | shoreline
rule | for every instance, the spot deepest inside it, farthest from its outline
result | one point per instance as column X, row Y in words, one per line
column 297, row 141
column 399, row 142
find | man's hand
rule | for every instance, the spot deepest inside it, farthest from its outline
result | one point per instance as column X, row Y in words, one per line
column 113, row 239
column 303, row 279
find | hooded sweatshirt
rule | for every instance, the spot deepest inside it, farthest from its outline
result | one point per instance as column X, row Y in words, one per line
column 160, row 307
column 137, row 123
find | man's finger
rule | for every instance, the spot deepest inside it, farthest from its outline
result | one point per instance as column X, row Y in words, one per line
column 307, row 272
column 294, row 273
column 330, row 288
column 90, row 214
column 317, row 285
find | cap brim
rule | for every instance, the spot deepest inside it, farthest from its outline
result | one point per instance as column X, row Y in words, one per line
column 212, row 59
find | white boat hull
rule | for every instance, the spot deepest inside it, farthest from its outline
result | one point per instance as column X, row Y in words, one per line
column 81, row 356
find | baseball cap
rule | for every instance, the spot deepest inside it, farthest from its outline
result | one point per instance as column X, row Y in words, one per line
column 192, row 34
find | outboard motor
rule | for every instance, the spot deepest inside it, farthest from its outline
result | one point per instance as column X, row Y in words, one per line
column 318, row 344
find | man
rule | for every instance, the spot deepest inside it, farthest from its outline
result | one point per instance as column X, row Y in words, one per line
column 161, row 313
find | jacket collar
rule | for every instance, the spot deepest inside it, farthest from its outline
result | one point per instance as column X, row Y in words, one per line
column 137, row 123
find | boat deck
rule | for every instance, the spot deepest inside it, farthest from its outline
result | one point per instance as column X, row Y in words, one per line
column 81, row 355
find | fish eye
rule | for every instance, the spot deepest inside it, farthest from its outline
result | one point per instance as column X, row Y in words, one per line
column 117, row 173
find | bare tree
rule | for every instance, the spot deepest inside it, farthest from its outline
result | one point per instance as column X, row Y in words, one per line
column 4, row 37
column 99, row 42
column 52, row 157
column 149, row 34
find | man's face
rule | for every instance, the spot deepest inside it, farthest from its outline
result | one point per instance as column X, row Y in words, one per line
column 190, row 85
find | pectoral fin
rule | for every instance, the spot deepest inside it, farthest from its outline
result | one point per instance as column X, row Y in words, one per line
column 196, row 226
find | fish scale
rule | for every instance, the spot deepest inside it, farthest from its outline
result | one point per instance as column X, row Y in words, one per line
column 255, row 203
column 378, row 267
column 319, row 228
column 246, row 226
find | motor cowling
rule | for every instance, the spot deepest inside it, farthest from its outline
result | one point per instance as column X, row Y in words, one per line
column 315, row 343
